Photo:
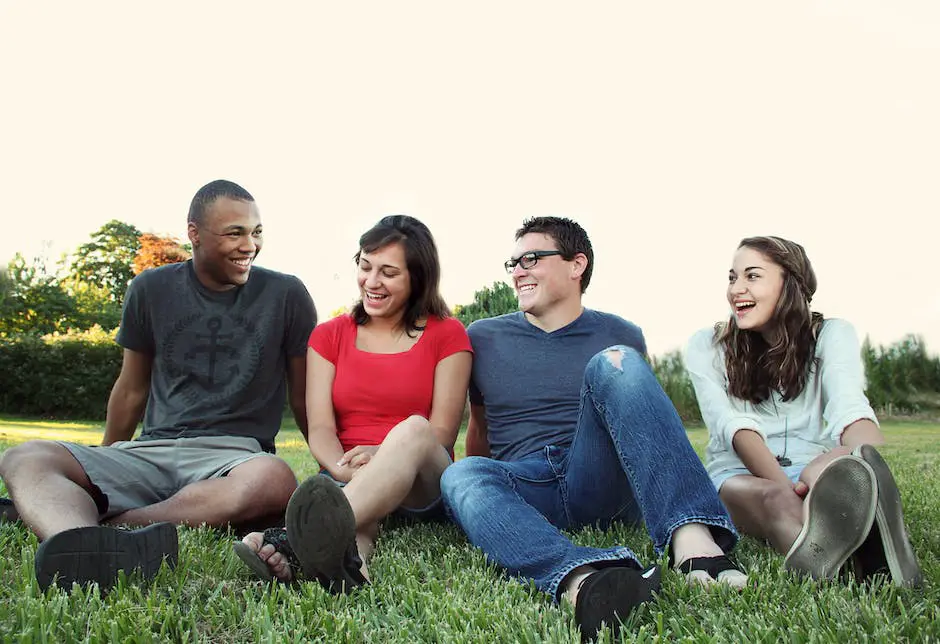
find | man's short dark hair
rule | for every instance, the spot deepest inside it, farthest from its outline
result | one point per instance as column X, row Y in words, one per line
column 569, row 237
column 207, row 194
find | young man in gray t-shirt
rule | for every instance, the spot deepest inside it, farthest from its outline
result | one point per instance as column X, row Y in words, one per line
column 211, row 346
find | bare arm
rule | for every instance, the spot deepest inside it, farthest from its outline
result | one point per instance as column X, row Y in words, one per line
column 859, row 432
column 478, row 443
column 128, row 397
column 862, row 431
column 451, row 379
column 297, row 390
column 757, row 457
column 321, row 421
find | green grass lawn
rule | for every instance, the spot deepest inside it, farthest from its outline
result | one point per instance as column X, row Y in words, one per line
column 431, row 586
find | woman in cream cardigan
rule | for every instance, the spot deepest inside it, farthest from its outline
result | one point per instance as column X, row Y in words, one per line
column 791, row 433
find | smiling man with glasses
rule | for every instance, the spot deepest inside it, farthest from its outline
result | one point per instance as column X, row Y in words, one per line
column 568, row 428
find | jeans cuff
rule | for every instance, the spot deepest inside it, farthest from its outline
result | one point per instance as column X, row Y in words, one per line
column 598, row 556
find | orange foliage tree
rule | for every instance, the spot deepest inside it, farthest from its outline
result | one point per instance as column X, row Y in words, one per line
column 156, row 251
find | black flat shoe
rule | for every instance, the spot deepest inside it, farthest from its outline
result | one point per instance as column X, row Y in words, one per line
column 609, row 595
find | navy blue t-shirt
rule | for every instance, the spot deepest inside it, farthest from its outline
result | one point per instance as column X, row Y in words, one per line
column 530, row 381
column 219, row 358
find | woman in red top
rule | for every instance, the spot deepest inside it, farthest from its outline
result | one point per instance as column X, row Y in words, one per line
column 386, row 388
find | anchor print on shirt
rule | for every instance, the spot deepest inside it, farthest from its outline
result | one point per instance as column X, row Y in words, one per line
column 216, row 377
column 211, row 359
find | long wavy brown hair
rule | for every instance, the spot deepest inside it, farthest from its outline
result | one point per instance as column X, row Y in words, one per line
column 758, row 364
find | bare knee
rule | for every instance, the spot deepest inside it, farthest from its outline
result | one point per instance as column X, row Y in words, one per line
column 40, row 456
column 277, row 476
column 263, row 486
column 614, row 357
column 411, row 435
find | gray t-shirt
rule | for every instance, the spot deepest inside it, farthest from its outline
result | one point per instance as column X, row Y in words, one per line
column 219, row 358
column 530, row 380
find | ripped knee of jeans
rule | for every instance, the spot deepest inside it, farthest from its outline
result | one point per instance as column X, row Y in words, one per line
column 615, row 357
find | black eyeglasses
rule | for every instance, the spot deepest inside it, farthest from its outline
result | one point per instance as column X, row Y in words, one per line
column 528, row 260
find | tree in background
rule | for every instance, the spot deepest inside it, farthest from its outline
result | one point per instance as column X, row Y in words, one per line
column 6, row 287
column 107, row 260
column 34, row 300
column 93, row 305
column 81, row 291
column 488, row 302
column 156, row 250
column 902, row 377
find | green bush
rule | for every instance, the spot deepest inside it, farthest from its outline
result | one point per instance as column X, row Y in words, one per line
column 69, row 376
column 902, row 378
column 63, row 376
column 670, row 371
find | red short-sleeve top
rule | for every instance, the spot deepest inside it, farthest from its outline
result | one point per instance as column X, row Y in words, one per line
column 373, row 392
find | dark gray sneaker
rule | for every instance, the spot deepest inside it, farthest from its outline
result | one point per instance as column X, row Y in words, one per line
column 887, row 548
column 321, row 529
column 97, row 554
column 837, row 516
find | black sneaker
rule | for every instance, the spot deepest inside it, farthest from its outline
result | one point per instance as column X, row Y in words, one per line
column 609, row 595
column 96, row 554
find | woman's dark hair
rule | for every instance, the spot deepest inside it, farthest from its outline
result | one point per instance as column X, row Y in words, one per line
column 424, row 268
column 780, row 358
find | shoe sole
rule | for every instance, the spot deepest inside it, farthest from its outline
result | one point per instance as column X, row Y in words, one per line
column 838, row 514
column 889, row 526
column 320, row 527
column 97, row 554
column 252, row 560
column 609, row 595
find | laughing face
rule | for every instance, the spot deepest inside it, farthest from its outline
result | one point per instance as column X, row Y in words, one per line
column 551, row 283
column 226, row 243
column 384, row 281
column 754, row 287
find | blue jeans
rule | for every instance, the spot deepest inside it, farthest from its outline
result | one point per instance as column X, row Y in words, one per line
column 630, row 460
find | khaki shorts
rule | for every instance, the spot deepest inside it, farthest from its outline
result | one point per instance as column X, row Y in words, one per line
column 133, row 474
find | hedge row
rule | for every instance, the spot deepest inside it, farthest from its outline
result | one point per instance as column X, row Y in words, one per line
column 58, row 376
column 70, row 376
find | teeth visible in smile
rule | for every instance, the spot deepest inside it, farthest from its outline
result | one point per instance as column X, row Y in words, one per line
column 374, row 297
column 242, row 262
column 744, row 305
column 526, row 287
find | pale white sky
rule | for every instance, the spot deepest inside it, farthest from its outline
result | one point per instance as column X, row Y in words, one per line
column 669, row 130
